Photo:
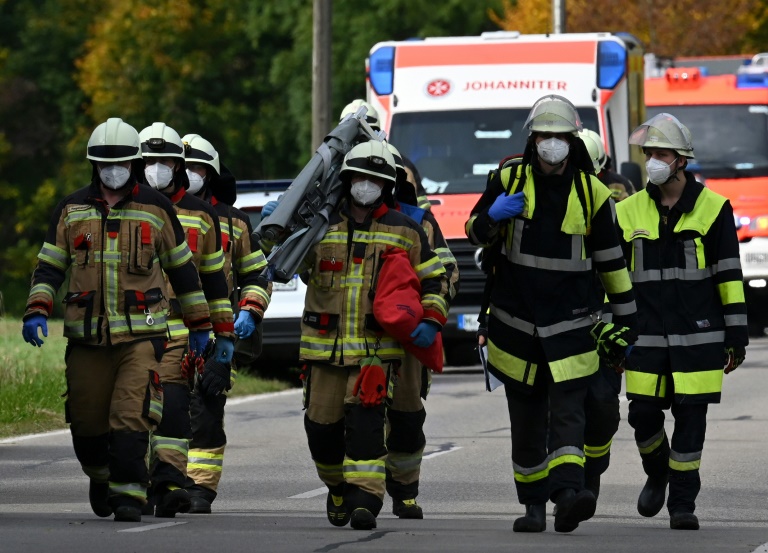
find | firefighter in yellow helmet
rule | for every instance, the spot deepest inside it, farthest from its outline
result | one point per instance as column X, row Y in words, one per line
column 250, row 294
column 679, row 239
column 115, row 314
column 163, row 153
column 620, row 187
column 547, row 224
column 349, row 364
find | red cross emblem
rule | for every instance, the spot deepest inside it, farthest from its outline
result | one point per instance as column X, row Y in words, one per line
column 438, row 87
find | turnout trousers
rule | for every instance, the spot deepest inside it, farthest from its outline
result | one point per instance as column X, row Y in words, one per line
column 346, row 440
column 405, row 429
column 601, row 408
column 113, row 398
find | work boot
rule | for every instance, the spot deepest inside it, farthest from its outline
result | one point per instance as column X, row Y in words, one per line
column 126, row 509
column 651, row 498
column 592, row 483
column 98, row 495
column 573, row 508
column 149, row 507
column 683, row 521
column 362, row 519
column 171, row 501
column 337, row 510
column 535, row 519
column 199, row 505
column 407, row 508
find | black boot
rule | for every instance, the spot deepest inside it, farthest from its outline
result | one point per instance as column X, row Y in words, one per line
column 592, row 483
column 683, row 521
column 573, row 508
column 170, row 501
column 127, row 509
column 535, row 519
column 362, row 519
column 98, row 495
column 651, row 498
column 407, row 508
column 336, row 509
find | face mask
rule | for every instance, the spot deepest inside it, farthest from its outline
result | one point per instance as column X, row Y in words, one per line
column 365, row 192
column 158, row 175
column 114, row 176
column 195, row 182
column 658, row 171
column 553, row 150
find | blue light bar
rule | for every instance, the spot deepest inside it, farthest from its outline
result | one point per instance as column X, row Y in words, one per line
column 611, row 63
column 752, row 80
column 381, row 70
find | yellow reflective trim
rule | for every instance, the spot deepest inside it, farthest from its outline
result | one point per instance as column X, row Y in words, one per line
column 512, row 366
column 700, row 382
column 644, row 384
column 562, row 459
column 731, row 292
column 654, row 446
column 525, row 478
column 200, row 466
column 576, row 366
column 598, row 451
column 685, row 465
column 616, row 282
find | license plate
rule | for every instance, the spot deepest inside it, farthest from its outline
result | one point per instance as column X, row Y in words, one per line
column 468, row 323
column 289, row 286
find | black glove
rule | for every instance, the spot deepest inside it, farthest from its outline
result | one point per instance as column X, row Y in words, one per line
column 612, row 342
column 215, row 378
column 734, row 356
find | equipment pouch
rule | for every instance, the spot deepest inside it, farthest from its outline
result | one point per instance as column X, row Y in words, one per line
column 142, row 252
column 322, row 322
column 153, row 399
column 139, row 314
column 82, row 303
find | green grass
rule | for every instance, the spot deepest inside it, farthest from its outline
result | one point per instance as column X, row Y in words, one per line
column 32, row 381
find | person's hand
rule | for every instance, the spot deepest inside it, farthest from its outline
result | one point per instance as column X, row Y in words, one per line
column 506, row 207
column 371, row 385
column 424, row 334
column 225, row 349
column 268, row 208
column 245, row 324
column 198, row 340
column 613, row 343
column 29, row 329
column 734, row 356
column 215, row 377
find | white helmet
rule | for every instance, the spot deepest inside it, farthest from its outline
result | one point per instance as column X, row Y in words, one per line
column 160, row 140
column 371, row 116
column 555, row 114
column 371, row 158
column 664, row 131
column 114, row 140
column 594, row 145
column 198, row 150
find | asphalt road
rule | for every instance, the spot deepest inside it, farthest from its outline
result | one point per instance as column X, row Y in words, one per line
column 272, row 501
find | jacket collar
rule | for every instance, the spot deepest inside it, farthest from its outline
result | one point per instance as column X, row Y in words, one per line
column 687, row 201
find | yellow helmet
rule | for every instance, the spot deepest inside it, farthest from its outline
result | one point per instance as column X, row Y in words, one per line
column 555, row 114
column 371, row 115
column 594, row 145
column 664, row 131
column 371, row 158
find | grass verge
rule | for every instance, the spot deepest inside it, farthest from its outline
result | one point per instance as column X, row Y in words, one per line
column 32, row 381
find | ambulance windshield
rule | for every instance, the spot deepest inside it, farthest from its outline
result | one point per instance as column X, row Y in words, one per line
column 454, row 150
column 729, row 141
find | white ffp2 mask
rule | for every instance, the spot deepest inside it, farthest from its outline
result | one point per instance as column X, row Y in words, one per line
column 195, row 182
column 365, row 192
column 158, row 175
column 658, row 171
column 553, row 150
column 114, row 176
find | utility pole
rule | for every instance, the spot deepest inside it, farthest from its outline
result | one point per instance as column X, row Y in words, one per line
column 321, row 70
column 558, row 16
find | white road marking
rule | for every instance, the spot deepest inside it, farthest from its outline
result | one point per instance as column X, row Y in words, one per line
column 25, row 437
column 762, row 549
column 147, row 527
column 441, row 452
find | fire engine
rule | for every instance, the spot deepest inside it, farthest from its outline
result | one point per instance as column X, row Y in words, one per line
column 455, row 106
column 728, row 118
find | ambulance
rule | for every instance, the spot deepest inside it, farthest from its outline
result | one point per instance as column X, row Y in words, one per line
column 728, row 119
column 455, row 106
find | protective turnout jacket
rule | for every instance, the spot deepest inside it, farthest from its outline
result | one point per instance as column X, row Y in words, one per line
column 545, row 294
column 338, row 326
column 203, row 235
column 685, row 268
column 243, row 256
column 117, row 292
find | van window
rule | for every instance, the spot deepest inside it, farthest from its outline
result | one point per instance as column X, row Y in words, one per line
column 729, row 141
column 454, row 150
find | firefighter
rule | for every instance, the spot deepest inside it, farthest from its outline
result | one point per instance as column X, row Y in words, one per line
column 549, row 226
column 406, row 415
column 115, row 238
column 620, row 186
column 348, row 362
column 210, row 180
column 371, row 115
column 163, row 153
column 679, row 239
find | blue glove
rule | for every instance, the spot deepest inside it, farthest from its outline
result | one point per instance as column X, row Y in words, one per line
column 225, row 349
column 198, row 339
column 424, row 334
column 268, row 208
column 29, row 330
column 506, row 207
column 245, row 324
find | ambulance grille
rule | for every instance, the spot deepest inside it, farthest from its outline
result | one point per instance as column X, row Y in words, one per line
column 471, row 278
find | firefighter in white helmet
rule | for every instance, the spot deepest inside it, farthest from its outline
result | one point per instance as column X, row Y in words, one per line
column 680, row 242
column 115, row 314
column 163, row 153
column 547, row 224
column 249, row 293
column 620, row 186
